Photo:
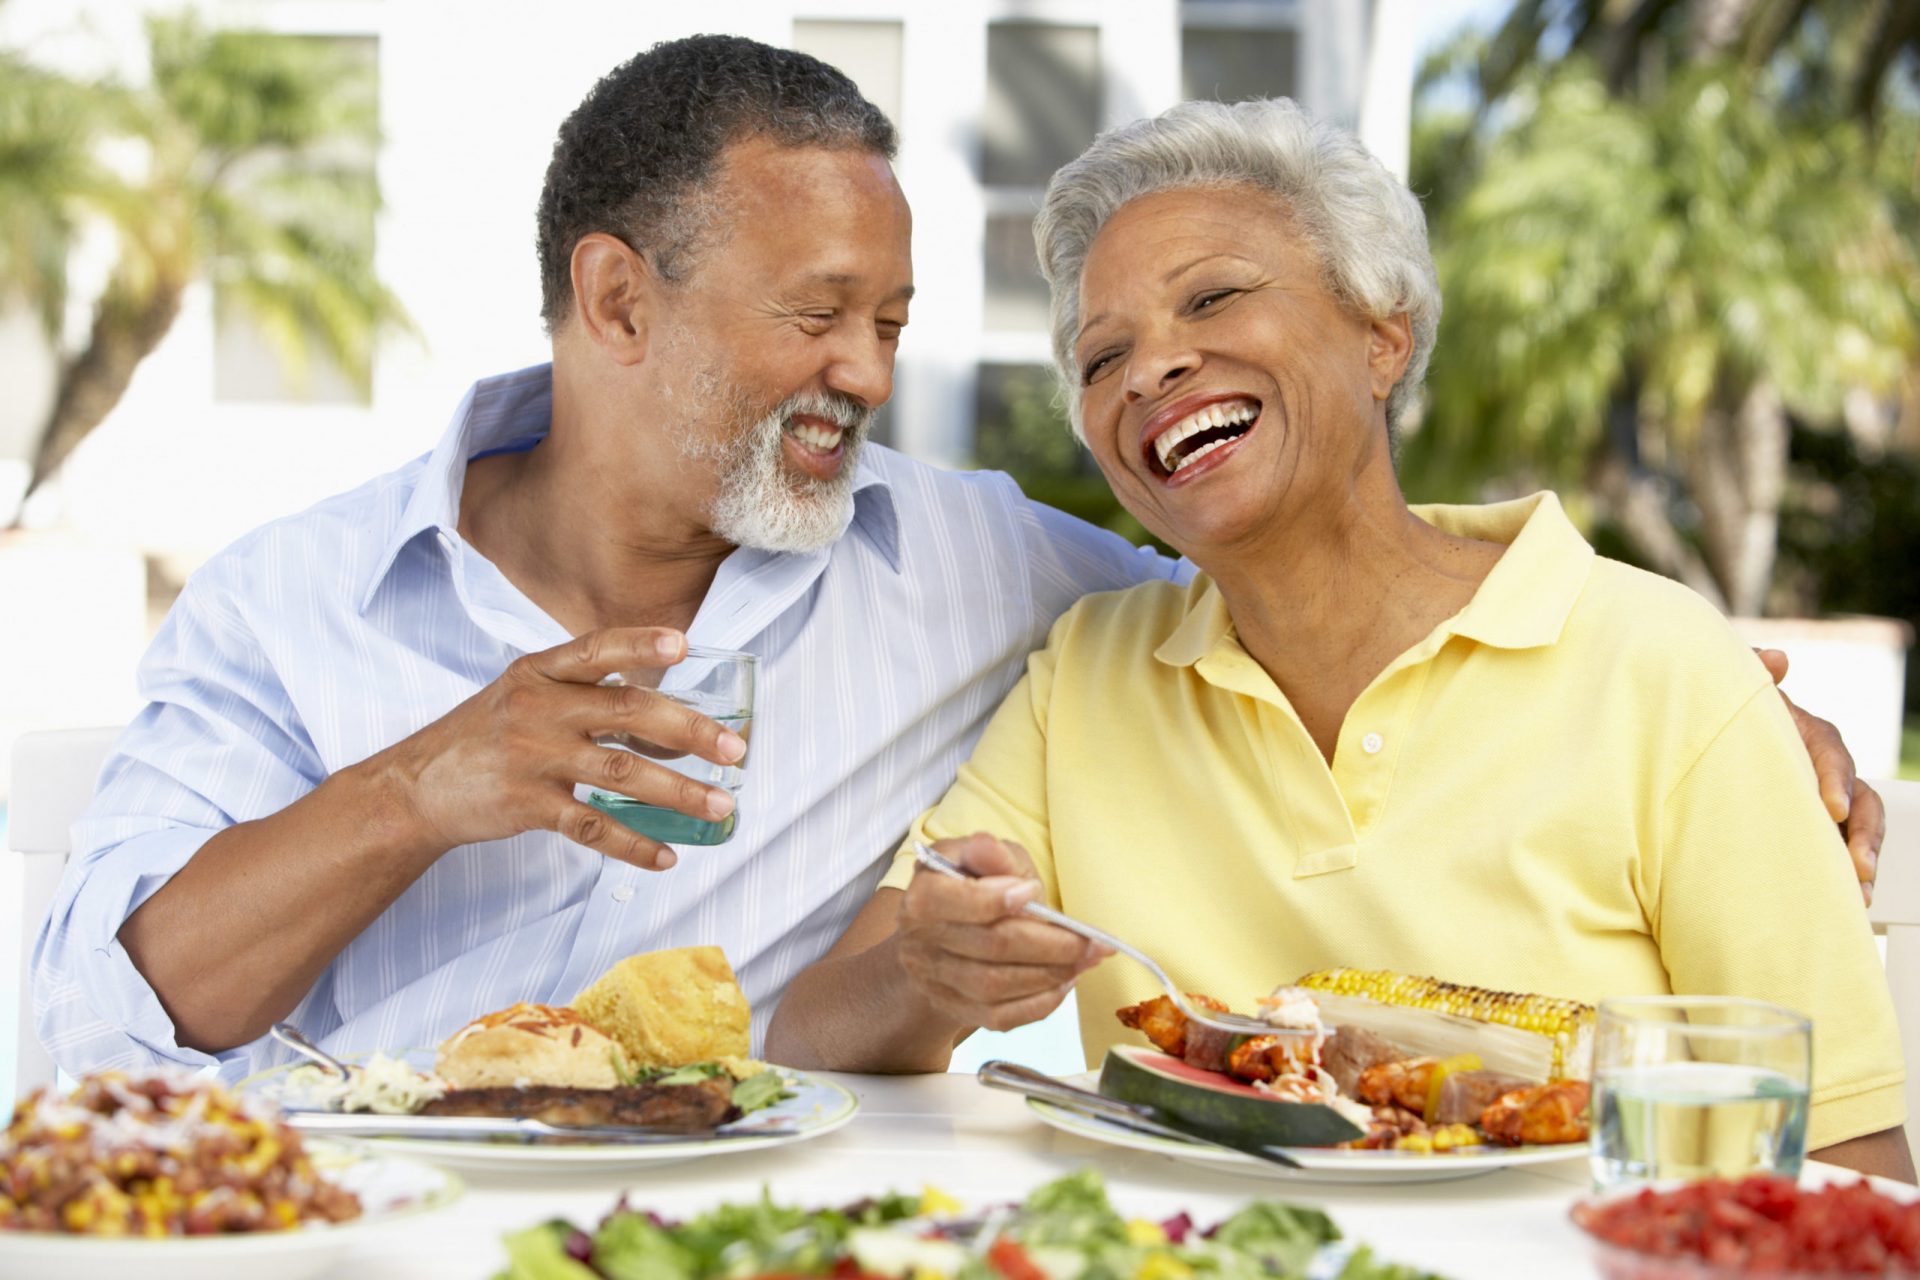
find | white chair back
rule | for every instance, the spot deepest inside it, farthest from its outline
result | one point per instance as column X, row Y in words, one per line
column 1896, row 914
column 54, row 774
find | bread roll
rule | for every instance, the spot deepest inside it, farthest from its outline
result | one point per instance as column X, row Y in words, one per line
column 529, row 1044
column 670, row 1008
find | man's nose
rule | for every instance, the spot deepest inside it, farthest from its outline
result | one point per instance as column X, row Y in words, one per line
column 863, row 369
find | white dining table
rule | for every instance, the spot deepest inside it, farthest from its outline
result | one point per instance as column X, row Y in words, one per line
column 983, row 1147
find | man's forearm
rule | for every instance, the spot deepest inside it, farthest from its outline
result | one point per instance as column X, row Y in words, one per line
column 234, row 940
column 1884, row 1154
column 858, row 1012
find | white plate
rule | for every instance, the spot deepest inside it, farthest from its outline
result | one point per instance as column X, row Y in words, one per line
column 392, row 1189
column 818, row 1107
column 1317, row 1164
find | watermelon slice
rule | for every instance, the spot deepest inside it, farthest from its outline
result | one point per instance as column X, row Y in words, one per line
column 1213, row 1100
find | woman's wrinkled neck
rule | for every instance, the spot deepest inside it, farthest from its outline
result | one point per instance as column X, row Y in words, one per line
column 1347, row 581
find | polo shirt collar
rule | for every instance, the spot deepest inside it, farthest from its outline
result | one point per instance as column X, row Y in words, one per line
column 515, row 411
column 1524, row 602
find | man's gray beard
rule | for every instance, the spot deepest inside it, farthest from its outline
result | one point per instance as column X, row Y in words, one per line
column 760, row 504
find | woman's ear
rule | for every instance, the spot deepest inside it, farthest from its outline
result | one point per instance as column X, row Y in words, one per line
column 1389, row 348
column 614, row 289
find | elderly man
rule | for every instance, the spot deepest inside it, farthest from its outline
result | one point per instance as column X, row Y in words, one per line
column 351, row 800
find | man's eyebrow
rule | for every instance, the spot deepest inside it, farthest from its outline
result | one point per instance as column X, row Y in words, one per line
column 841, row 279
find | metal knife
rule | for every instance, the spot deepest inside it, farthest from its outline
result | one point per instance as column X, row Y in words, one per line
column 487, row 1128
column 1137, row 1116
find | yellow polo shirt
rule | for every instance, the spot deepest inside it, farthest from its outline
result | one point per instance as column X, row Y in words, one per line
column 1583, row 784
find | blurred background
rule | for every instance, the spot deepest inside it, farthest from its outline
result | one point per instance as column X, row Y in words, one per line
column 252, row 254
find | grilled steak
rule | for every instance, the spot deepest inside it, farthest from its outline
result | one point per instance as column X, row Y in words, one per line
column 675, row 1107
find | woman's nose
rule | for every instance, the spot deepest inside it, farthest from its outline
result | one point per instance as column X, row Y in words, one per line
column 1153, row 370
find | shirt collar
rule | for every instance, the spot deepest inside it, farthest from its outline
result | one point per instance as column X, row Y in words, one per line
column 515, row 410
column 1523, row 603
column 1526, row 600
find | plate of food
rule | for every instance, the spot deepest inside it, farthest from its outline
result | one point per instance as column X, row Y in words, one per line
column 647, row 1065
column 1068, row 1227
column 1368, row 1076
column 169, row 1176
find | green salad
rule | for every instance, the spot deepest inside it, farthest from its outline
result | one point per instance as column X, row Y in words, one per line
column 1066, row 1230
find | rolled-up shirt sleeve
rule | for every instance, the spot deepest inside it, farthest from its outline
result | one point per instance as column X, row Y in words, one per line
column 219, row 742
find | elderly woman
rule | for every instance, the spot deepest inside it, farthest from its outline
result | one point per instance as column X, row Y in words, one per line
column 1442, row 740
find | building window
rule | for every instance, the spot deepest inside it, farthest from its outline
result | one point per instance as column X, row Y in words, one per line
column 1234, row 64
column 1016, row 292
column 1042, row 109
column 1043, row 100
column 869, row 53
column 252, row 361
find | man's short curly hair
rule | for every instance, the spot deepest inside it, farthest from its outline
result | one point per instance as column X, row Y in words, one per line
column 637, row 154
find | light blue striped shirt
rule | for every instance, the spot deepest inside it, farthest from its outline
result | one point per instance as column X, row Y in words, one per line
column 320, row 639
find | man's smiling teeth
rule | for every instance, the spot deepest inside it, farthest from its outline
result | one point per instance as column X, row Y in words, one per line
column 1220, row 423
column 819, row 439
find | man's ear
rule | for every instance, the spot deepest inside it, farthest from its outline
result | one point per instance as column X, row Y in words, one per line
column 615, row 292
column 1389, row 348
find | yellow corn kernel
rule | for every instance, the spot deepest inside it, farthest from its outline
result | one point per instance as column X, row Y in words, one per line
column 1552, row 1016
column 1140, row 1231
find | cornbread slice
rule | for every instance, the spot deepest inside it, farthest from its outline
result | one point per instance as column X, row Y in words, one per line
column 670, row 1008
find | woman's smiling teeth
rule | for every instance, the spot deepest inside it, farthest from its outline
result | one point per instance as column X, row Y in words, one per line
column 1203, row 431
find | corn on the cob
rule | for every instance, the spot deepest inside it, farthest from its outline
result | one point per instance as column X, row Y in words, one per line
column 1566, row 1025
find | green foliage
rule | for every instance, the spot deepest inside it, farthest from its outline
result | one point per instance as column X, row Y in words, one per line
column 50, row 130
column 1034, row 444
column 1671, row 252
column 247, row 160
column 271, row 140
column 1850, row 533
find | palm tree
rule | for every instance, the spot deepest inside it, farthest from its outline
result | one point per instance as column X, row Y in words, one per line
column 1844, row 52
column 1640, row 295
column 50, row 129
column 257, row 177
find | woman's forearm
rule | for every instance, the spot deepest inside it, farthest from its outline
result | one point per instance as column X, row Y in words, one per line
column 855, row 1010
column 1884, row 1154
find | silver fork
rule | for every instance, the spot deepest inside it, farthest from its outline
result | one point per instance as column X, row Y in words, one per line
column 294, row 1038
column 1233, row 1023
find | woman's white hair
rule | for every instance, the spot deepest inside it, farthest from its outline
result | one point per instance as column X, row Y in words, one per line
column 1364, row 224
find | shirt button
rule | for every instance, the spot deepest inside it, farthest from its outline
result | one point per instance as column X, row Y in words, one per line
column 1372, row 743
column 622, row 893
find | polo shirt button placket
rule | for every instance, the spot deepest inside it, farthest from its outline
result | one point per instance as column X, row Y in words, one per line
column 1372, row 744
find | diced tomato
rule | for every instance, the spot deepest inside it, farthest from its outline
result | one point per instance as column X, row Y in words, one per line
column 1011, row 1261
column 1765, row 1224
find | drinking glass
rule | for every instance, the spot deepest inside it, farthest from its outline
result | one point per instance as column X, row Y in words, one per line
column 1689, row 1087
column 718, row 683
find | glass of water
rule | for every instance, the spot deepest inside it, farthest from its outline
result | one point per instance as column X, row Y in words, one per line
column 1689, row 1087
column 718, row 683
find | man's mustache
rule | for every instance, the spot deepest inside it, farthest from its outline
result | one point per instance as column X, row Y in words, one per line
column 842, row 411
